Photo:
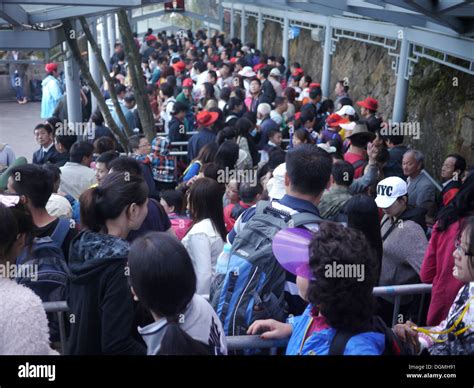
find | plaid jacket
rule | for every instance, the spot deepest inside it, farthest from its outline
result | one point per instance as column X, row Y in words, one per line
column 162, row 164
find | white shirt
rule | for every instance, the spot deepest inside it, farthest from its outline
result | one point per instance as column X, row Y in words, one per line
column 76, row 178
column 204, row 244
column 167, row 113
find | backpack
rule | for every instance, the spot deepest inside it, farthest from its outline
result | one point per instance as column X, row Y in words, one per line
column 253, row 287
column 393, row 347
column 45, row 255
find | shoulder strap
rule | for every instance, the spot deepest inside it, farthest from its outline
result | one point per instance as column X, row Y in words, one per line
column 61, row 231
column 359, row 163
column 300, row 219
column 261, row 206
column 339, row 342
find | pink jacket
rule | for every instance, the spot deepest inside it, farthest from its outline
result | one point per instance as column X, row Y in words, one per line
column 437, row 269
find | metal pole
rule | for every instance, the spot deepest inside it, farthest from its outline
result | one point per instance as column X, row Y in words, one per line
column 104, row 40
column 399, row 106
column 73, row 95
column 232, row 22
column 284, row 51
column 259, row 29
column 327, row 60
column 242, row 25
column 93, row 64
column 111, row 32
column 221, row 16
column 193, row 25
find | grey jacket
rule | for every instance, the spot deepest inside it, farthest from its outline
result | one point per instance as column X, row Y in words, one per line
column 421, row 192
column 403, row 252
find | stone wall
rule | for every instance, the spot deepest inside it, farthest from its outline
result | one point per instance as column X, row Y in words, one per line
column 444, row 108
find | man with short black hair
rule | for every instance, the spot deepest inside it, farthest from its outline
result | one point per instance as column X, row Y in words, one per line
column 63, row 144
column 308, row 169
column 167, row 104
column 35, row 185
column 334, row 199
column 452, row 171
column 396, row 150
column 47, row 152
column 76, row 175
column 267, row 87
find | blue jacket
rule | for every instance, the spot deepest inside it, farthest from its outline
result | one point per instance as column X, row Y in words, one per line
column 318, row 343
column 52, row 93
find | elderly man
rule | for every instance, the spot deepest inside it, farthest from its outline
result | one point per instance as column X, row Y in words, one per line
column 421, row 191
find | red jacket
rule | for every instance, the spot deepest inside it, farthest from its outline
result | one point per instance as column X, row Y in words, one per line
column 437, row 269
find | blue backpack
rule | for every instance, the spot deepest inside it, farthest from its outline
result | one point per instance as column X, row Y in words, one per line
column 45, row 258
column 253, row 287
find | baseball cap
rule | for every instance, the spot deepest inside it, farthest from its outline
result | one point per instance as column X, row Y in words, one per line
column 388, row 190
column 346, row 110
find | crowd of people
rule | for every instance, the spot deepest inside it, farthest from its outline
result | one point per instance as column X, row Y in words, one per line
column 160, row 251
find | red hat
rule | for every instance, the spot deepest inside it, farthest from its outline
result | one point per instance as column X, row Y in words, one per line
column 50, row 67
column 206, row 118
column 334, row 120
column 299, row 72
column 258, row 66
column 369, row 103
column 314, row 85
column 233, row 59
column 179, row 66
column 188, row 83
column 149, row 38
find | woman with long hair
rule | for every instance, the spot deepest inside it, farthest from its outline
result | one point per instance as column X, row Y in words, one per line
column 99, row 295
column 205, row 240
column 162, row 278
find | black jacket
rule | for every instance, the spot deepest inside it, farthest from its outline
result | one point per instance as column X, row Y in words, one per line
column 394, row 164
column 52, row 156
column 100, row 299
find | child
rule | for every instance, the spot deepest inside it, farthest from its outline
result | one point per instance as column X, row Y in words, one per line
column 249, row 194
column 274, row 142
column 332, row 129
column 337, row 305
column 172, row 202
column 163, row 279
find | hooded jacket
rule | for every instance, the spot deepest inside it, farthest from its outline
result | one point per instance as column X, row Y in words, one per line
column 100, row 300
column 52, row 93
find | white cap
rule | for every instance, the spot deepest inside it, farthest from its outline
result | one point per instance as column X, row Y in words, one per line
column 346, row 110
column 326, row 147
column 247, row 72
column 348, row 126
column 276, row 185
column 388, row 190
column 275, row 72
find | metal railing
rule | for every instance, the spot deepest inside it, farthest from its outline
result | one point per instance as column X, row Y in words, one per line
column 399, row 291
column 59, row 308
column 245, row 342
column 254, row 341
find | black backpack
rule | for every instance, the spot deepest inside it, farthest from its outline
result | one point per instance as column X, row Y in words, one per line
column 393, row 347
